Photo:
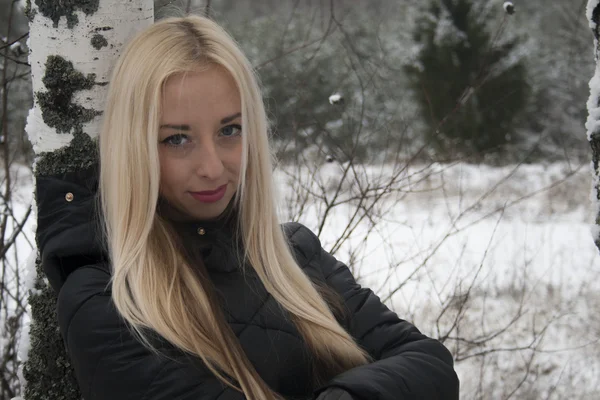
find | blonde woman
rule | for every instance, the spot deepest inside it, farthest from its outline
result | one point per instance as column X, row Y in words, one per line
column 192, row 289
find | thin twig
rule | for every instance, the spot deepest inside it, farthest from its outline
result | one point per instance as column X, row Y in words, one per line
column 23, row 36
column 207, row 9
column 15, row 234
column 15, row 60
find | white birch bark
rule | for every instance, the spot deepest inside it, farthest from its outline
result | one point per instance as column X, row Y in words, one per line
column 124, row 18
column 89, row 44
column 593, row 122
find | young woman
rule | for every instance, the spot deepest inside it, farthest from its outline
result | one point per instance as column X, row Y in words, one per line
column 201, row 293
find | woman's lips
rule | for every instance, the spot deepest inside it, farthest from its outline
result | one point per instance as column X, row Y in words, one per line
column 210, row 196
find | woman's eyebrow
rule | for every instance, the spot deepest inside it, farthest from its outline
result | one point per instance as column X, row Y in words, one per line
column 176, row 127
column 230, row 118
column 184, row 127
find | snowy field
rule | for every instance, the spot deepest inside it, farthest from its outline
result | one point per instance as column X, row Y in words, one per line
column 499, row 263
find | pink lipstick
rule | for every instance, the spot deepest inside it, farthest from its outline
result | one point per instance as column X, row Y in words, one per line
column 210, row 196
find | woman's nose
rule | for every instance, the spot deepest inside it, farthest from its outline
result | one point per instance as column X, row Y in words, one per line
column 208, row 161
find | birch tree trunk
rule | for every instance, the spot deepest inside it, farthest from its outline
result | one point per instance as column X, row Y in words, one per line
column 73, row 46
column 593, row 123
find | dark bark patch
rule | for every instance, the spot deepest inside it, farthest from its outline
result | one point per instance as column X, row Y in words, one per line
column 595, row 136
column 55, row 9
column 99, row 41
column 62, row 81
column 81, row 153
column 29, row 13
column 48, row 372
column 596, row 20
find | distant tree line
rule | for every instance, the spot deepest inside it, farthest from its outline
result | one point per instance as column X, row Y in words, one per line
column 438, row 80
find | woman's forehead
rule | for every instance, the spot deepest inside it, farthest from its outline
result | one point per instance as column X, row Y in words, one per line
column 211, row 90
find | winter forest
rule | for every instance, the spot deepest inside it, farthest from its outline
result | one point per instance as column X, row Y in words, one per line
column 439, row 147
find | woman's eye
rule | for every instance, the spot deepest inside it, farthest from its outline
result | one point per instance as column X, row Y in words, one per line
column 176, row 140
column 231, row 130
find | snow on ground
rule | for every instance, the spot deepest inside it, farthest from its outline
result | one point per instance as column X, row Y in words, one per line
column 497, row 262
column 22, row 198
column 489, row 259
column 20, row 257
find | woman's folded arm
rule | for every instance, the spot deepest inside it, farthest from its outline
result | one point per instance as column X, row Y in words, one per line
column 110, row 363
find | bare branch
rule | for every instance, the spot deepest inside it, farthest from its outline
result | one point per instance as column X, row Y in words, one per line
column 15, row 41
column 207, row 9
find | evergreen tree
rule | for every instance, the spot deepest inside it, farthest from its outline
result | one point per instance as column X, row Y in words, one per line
column 471, row 90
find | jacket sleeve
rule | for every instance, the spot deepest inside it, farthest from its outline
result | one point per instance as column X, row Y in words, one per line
column 110, row 363
column 407, row 364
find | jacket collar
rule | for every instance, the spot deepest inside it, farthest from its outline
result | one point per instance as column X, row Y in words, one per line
column 216, row 242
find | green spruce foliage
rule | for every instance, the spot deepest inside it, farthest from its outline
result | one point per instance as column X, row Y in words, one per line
column 471, row 85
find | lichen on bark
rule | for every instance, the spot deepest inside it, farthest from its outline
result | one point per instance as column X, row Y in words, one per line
column 48, row 372
column 81, row 153
column 62, row 81
column 29, row 13
column 99, row 41
column 54, row 9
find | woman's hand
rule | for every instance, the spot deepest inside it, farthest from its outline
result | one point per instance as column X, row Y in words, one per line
column 335, row 394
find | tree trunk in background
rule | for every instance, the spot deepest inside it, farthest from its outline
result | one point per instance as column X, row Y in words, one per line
column 73, row 47
column 593, row 122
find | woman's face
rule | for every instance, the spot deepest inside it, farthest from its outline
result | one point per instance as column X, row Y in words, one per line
column 200, row 143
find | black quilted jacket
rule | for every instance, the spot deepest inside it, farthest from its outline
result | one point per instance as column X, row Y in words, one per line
column 110, row 364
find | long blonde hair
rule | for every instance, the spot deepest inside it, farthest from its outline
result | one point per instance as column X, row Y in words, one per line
column 154, row 285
